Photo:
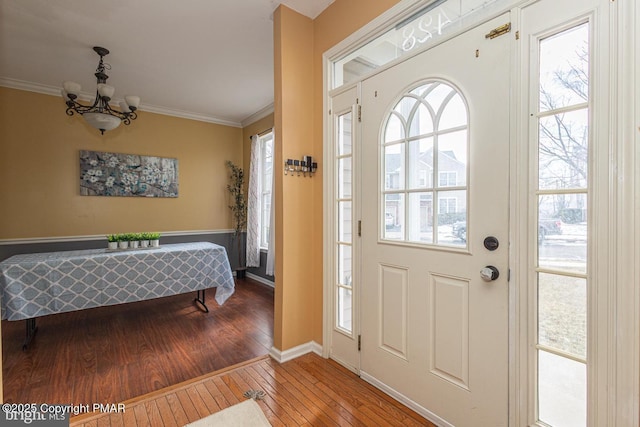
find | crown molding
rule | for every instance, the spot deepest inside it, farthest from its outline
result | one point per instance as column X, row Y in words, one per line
column 262, row 113
column 84, row 96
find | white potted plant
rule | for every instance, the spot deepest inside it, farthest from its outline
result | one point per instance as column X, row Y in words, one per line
column 123, row 241
column 154, row 239
column 144, row 240
column 133, row 240
column 112, row 240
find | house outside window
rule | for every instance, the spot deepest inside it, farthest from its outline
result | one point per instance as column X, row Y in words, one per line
column 447, row 179
column 447, row 205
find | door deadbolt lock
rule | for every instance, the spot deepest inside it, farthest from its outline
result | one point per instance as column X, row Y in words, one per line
column 491, row 243
column 489, row 273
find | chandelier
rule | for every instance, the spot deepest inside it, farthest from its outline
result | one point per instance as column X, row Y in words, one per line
column 100, row 115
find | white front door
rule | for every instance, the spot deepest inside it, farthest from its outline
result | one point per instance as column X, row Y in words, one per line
column 435, row 185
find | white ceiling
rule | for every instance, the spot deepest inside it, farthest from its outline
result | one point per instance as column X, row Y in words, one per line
column 206, row 59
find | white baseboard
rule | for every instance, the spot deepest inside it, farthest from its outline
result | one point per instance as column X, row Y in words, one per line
column 405, row 400
column 260, row 279
column 292, row 353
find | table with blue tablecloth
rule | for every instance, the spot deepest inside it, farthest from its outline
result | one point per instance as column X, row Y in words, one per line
column 39, row 284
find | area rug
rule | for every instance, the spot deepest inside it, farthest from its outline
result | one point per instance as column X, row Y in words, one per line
column 245, row 414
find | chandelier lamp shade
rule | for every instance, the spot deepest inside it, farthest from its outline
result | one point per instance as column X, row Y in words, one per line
column 100, row 115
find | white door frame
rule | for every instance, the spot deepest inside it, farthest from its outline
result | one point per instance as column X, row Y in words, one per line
column 619, row 379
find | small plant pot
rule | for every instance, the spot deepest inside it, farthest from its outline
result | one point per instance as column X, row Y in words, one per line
column 112, row 245
column 133, row 244
column 154, row 243
column 123, row 245
column 144, row 243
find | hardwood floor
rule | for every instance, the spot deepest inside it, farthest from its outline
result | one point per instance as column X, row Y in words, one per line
column 112, row 354
column 147, row 354
column 308, row 390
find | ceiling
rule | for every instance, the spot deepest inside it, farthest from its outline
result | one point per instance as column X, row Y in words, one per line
column 210, row 60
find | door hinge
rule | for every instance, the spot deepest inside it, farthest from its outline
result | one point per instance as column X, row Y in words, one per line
column 359, row 228
column 359, row 342
column 359, row 113
column 497, row 32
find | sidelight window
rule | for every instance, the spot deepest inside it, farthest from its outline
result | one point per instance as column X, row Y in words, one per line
column 561, row 203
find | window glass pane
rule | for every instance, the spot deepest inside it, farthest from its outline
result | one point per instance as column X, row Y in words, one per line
column 344, row 178
column 266, row 168
column 413, row 160
column 564, row 69
column 437, row 96
column 452, row 218
column 452, row 155
column 394, row 217
column 562, row 232
column 395, row 129
column 420, row 226
column 421, row 91
column 563, row 150
column 265, row 216
column 562, row 391
column 417, row 32
column 454, row 114
column 344, row 308
column 421, row 163
column 421, row 122
column 344, row 222
column 404, row 106
column 562, row 313
column 344, row 134
column 394, row 167
column 344, row 265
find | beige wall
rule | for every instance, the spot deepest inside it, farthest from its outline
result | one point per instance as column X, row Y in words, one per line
column 295, row 212
column 39, row 171
column 299, row 44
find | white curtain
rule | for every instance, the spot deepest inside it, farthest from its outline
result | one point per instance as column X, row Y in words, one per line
column 271, row 253
column 253, row 208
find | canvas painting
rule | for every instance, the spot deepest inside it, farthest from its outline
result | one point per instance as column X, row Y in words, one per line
column 116, row 174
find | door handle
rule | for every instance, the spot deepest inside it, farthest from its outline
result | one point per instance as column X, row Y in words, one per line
column 489, row 273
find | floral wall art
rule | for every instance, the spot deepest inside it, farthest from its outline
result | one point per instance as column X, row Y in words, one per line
column 115, row 174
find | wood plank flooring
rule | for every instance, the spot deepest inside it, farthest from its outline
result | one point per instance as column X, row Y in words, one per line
column 112, row 354
column 308, row 390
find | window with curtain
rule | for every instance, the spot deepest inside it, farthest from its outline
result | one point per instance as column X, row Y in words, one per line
column 259, row 204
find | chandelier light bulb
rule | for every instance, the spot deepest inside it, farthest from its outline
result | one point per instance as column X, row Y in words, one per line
column 124, row 107
column 71, row 88
column 132, row 101
column 106, row 91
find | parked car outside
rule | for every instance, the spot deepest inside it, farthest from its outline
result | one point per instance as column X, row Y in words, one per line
column 548, row 227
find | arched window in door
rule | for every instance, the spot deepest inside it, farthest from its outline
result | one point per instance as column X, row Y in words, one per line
column 424, row 151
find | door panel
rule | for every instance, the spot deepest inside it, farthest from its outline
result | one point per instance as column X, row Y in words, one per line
column 434, row 185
